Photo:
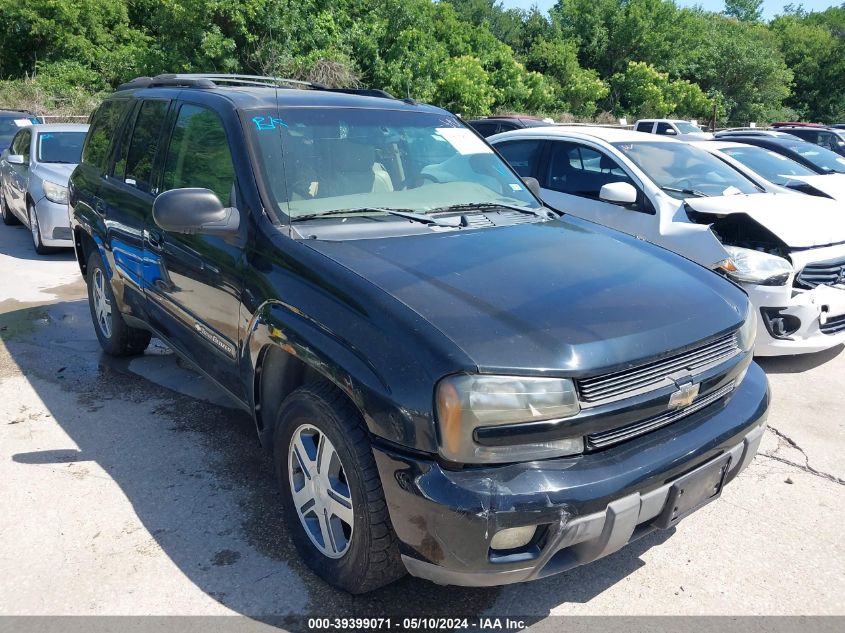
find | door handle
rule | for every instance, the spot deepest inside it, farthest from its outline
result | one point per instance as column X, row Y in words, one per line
column 100, row 207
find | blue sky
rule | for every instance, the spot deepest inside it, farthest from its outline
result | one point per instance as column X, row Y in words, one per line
column 770, row 7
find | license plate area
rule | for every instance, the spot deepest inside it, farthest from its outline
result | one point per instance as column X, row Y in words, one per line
column 694, row 490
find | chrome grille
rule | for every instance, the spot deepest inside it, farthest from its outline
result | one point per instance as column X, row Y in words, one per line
column 630, row 382
column 821, row 274
column 620, row 434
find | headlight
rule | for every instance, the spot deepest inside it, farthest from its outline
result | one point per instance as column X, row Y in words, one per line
column 758, row 268
column 467, row 403
column 747, row 334
column 54, row 193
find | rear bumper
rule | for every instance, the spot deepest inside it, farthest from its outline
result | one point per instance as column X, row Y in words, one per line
column 585, row 507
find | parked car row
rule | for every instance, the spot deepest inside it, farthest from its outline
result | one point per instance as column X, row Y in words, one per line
column 473, row 371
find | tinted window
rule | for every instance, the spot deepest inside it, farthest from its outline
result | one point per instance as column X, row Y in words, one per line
column 136, row 169
column 644, row 126
column 60, row 147
column 582, row 171
column 103, row 128
column 198, row 155
column 485, row 129
column 665, row 128
column 521, row 155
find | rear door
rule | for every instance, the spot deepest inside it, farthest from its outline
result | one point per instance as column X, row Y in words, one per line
column 128, row 193
column 193, row 282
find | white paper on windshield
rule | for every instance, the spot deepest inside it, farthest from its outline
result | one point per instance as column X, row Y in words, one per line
column 22, row 122
column 464, row 141
column 731, row 191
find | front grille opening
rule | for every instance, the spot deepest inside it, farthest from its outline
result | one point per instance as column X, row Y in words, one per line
column 604, row 439
column 826, row 273
column 833, row 325
column 630, row 382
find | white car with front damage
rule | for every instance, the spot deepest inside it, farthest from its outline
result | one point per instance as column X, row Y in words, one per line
column 786, row 250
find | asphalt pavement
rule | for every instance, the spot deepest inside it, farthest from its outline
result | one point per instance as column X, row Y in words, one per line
column 132, row 487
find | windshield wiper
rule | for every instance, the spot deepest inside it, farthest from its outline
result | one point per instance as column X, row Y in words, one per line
column 402, row 213
column 473, row 206
column 689, row 192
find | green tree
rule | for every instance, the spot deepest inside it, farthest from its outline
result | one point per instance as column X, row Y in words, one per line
column 744, row 10
column 464, row 87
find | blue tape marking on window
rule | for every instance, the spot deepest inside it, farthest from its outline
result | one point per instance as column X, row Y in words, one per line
column 44, row 137
column 267, row 122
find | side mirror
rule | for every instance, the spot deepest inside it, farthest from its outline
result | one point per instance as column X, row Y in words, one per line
column 621, row 193
column 194, row 211
column 16, row 159
column 532, row 184
column 670, row 131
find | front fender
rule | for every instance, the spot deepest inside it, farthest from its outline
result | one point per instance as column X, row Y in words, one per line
column 399, row 415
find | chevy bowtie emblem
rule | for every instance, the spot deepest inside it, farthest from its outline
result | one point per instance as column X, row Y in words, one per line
column 684, row 396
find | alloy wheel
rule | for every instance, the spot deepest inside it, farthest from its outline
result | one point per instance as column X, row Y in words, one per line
column 102, row 305
column 320, row 491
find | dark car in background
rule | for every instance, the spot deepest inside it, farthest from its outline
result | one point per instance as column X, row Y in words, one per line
column 505, row 123
column 812, row 156
column 11, row 121
column 452, row 379
column 828, row 137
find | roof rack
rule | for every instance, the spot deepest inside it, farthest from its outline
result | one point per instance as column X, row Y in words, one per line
column 208, row 81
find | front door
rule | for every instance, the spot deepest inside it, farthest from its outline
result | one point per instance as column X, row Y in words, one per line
column 19, row 174
column 572, row 181
column 194, row 281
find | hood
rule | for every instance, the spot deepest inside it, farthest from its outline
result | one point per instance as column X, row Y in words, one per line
column 560, row 296
column 58, row 173
column 695, row 136
column 799, row 221
column 830, row 184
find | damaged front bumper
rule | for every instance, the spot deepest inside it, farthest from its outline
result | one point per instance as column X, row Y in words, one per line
column 794, row 321
column 584, row 507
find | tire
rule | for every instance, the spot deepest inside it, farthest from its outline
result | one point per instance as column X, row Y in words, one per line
column 116, row 338
column 369, row 557
column 8, row 217
column 35, row 231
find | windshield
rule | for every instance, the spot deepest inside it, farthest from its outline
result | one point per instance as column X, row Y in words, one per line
column 687, row 128
column 324, row 160
column 822, row 158
column 682, row 170
column 770, row 165
column 9, row 126
column 60, row 147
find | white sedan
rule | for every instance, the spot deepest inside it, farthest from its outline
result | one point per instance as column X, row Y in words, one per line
column 786, row 250
column 777, row 168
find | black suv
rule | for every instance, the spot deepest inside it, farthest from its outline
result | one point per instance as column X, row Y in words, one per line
column 453, row 380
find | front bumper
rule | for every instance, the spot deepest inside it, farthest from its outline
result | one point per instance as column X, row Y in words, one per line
column 816, row 310
column 585, row 507
column 54, row 223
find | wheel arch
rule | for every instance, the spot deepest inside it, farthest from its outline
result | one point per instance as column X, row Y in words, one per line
column 283, row 352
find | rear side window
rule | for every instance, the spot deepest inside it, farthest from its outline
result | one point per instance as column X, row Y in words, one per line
column 485, row 129
column 103, row 128
column 136, row 168
column 644, row 126
column 522, row 155
column 199, row 155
